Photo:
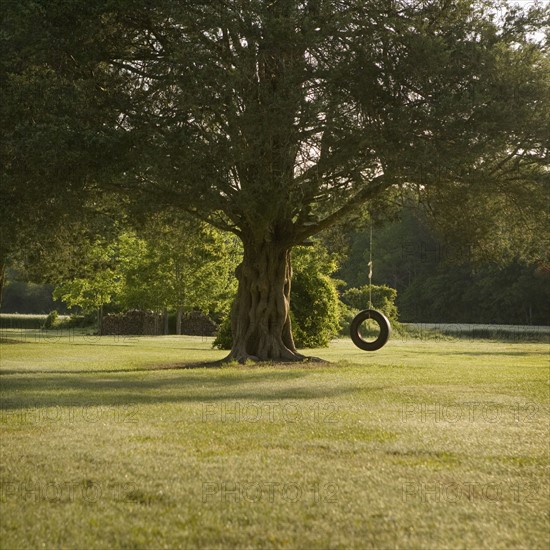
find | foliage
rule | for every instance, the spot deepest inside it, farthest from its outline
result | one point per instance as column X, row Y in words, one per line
column 330, row 97
column 58, row 136
column 403, row 247
column 100, row 282
column 176, row 263
column 20, row 296
column 170, row 263
column 514, row 294
column 442, row 279
column 51, row 320
column 314, row 310
column 315, row 306
column 78, row 320
column 224, row 338
column 347, row 314
column 383, row 299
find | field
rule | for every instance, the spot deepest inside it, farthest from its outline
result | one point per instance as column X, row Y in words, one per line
column 126, row 442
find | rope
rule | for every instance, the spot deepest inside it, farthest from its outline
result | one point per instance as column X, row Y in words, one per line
column 370, row 269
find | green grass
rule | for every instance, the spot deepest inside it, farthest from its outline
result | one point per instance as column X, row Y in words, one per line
column 116, row 443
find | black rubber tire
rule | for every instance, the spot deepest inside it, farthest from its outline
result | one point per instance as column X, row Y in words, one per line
column 383, row 323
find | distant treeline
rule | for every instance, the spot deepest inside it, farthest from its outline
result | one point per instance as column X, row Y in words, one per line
column 26, row 297
column 439, row 282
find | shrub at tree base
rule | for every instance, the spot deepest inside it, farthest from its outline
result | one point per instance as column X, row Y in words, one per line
column 224, row 339
column 314, row 310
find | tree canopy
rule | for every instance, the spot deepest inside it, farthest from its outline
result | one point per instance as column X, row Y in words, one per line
column 276, row 119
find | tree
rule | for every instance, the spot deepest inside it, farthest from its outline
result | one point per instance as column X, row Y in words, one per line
column 455, row 276
column 22, row 297
column 98, row 284
column 177, row 263
column 403, row 248
column 275, row 120
column 155, row 269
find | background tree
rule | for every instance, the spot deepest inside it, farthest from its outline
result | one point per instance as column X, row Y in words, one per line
column 181, row 265
column 26, row 297
column 453, row 276
column 275, row 120
column 99, row 283
column 153, row 268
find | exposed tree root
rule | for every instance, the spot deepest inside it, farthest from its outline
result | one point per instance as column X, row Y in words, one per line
column 287, row 359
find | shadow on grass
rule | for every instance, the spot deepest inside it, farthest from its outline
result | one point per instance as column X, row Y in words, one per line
column 152, row 368
column 11, row 341
column 101, row 388
column 288, row 368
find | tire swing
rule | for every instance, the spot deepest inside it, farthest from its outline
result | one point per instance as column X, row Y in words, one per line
column 370, row 313
column 383, row 323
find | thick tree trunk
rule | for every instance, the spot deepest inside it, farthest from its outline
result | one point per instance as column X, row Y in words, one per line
column 260, row 318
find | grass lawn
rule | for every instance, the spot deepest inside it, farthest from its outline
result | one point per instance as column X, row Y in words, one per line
column 118, row 443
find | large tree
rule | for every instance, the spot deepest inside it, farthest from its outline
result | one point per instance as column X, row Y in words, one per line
column 276, row 119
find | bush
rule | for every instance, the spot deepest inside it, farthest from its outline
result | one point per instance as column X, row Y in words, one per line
column 347, row 314
column 79, row 321
column 383, row 299
column 315, row 310
column 224, row 339
column 51, row 320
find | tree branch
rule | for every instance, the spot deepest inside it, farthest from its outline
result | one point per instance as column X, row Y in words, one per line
column 376, row 186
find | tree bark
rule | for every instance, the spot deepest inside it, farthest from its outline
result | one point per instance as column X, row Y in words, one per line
column 260, row 317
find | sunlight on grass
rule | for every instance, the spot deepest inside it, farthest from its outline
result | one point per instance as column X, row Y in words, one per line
column 115, row 443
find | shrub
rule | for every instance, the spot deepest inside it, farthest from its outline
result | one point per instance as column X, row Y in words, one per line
column 51, row 319
column 224, row 339
column 347, row 314
column 315, row 309
column 79, row 321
